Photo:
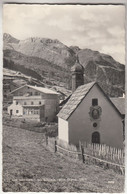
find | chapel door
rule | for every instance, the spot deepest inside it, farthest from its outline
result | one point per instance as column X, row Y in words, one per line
column 96, row 137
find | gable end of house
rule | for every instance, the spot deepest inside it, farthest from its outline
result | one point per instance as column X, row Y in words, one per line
column 77, row 98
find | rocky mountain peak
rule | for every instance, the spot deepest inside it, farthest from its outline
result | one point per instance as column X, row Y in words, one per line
column 76, row 49
column 53, row 58
column 9, row 39
column 46, row 41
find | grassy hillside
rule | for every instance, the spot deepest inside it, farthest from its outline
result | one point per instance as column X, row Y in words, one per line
column 28, row 166
column 36, row 67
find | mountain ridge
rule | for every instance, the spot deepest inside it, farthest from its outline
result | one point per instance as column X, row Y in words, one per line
column 40, row 54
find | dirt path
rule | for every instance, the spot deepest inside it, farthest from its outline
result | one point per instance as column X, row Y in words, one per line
column 29, row 166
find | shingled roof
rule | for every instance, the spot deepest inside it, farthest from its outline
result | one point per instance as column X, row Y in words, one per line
column 79, row 95
column 74, row 101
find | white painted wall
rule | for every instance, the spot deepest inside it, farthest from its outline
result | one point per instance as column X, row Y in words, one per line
column 50, row 101
column 63, row 130
column 110, row 125
column 14, row 108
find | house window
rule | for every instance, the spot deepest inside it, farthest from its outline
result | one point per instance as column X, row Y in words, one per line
column 39, row 102
column 36, row 93
column 32, row 103
column 36, row 112
column 24, row 103
column 16, row 103
column 17, row 111
column 94, row 102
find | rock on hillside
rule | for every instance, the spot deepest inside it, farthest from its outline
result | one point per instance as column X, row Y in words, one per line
column 101, row 59
column 75, row 49
column 103, row 69
column 35, row 67
column 9, row 41
column 53, row 59
column 51, row 50
column 7, row 38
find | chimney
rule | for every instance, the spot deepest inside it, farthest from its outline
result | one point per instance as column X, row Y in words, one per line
column 77, row 75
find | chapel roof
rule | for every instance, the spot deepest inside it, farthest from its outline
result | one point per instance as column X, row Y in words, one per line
column 79, row 95
column 74, row 100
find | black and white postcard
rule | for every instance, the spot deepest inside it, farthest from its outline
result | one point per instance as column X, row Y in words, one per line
column 63, row 106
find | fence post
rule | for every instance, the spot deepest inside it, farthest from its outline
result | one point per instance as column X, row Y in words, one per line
column 55, row 146
column 82, row 150
column 80, row 145
column 46, row 139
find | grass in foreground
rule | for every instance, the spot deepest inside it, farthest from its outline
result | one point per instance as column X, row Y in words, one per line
column 29, row 166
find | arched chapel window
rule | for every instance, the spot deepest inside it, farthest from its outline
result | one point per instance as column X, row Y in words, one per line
column 96, row 137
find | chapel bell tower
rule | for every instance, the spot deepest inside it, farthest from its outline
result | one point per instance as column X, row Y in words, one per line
column 77, row 75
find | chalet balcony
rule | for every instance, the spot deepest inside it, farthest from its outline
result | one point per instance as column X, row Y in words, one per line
column 27, row 97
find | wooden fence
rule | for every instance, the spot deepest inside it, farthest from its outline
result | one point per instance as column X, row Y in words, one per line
column 62, row 147
column 104, row 152
column 102, row 155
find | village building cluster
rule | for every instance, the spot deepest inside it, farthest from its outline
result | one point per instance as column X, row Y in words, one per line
column 87, row 115
column 36, row 103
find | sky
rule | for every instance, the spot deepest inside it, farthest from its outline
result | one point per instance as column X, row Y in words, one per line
column 96, row 27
